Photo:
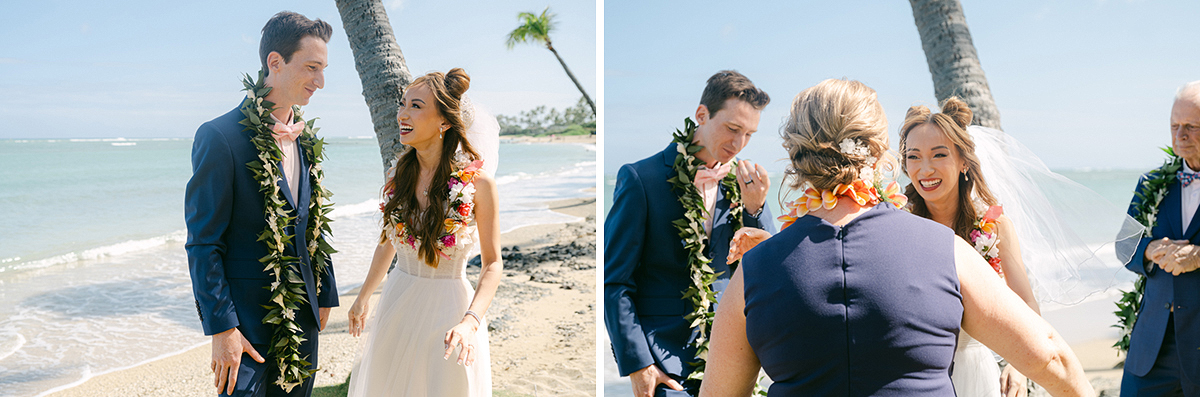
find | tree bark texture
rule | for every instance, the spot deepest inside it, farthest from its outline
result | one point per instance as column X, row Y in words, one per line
column 952, row 59
column 380, row 66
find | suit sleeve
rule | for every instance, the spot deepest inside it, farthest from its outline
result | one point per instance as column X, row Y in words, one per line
column 1138, row 263
column 624, row 236
column 208, row 205
column 327, row 296
column 763, row 221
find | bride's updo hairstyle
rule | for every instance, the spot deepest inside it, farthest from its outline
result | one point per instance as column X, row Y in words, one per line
column 952, row 122
column 822, row 117
column 427, row 225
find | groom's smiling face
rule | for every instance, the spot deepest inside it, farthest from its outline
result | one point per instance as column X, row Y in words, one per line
column 726, row 132
column 294, row 82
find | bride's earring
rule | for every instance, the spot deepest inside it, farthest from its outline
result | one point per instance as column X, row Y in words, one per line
column 443, row 132
column 966, row 177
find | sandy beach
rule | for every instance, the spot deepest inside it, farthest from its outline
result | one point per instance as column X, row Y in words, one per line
column 542, row 325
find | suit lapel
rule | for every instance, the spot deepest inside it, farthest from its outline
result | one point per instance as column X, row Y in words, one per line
column 1195, row 223
column 1172, row 210
column 283, row 185
column 305, row 190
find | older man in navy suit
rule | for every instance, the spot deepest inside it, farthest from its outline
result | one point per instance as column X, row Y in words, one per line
column 1164, row 349
column 645, row 264
column 224, row 212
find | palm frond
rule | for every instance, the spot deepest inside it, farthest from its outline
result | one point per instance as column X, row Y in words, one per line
column 535, row 28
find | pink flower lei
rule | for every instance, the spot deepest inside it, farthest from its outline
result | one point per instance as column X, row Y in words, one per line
column 984, row 237
column 459, row 213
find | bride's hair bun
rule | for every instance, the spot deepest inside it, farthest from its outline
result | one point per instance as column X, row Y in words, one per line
column 457, row 82
column 958, row 111
column 918, row 111
column 835, row 128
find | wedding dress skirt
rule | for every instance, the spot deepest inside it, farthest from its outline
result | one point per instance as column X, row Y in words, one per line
column 404, row 340
column 976, row 373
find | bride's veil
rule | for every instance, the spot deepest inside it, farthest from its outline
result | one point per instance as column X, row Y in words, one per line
column 1074, row 242
column 483, row 131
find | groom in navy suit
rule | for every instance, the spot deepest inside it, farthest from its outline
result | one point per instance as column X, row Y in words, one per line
column 1164, row 349
column 224, row 213
column 645, row 263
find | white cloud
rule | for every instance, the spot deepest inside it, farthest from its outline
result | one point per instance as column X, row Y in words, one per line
column 395, row 5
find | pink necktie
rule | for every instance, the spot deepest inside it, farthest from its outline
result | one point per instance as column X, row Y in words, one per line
column 286, row 132
column 708, row 178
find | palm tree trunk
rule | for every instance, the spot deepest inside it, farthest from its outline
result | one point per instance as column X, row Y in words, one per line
column 952, row 59
column 380, row 66
column 572, row 76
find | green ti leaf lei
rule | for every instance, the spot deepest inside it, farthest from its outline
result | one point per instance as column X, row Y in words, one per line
column 1151, row 194
column 288, row 291
column 695, row 240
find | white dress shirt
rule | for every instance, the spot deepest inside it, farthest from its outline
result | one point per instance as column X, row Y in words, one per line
column 291, row 168
column 291, row 164
column 1191, row 199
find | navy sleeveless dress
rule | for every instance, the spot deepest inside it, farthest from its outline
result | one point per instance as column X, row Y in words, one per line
column 871, row 308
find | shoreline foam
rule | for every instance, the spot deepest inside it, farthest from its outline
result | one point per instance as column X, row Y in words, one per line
column 187, row 373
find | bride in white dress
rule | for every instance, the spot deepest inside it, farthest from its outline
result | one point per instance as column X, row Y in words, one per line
column 428, row 335
column 1045, row 242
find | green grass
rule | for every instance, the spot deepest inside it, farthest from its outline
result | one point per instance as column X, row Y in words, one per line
column 339, row 390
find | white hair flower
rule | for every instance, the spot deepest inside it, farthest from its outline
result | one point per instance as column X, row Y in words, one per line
column 867, row 174
column 854, row 147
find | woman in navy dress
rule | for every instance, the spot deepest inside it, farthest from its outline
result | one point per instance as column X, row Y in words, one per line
column 856, row 297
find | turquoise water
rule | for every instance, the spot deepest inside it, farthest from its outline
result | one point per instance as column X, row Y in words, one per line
column 92, row 259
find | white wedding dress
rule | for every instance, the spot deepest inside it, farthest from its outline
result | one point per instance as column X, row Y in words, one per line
column 404, row 345
column 976, row 373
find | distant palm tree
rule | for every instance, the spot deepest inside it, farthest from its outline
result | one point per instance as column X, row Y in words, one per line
column 536, row 28
column 380, row 66
column 952, row 59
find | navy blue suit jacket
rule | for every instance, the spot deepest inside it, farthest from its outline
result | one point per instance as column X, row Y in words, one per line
column 1164, row 291
column 645, row 267
column 224, row 212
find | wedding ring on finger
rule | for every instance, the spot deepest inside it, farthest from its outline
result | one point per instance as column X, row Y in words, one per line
column 749, row 181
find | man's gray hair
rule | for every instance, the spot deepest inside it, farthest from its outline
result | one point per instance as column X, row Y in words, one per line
column 1189, row 91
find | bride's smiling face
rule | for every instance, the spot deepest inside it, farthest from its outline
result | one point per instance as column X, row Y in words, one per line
column 933, row 163
column 419, row 118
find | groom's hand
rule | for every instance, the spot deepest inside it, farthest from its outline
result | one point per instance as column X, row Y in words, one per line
column 752, row 178
column 227, row 349
column 324, row 316
column 645, row 380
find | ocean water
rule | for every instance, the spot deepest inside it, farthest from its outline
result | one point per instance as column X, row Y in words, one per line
column 1115, row 186
column 93, row 273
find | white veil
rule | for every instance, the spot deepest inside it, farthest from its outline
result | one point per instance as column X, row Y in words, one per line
column 1074, row 242
column 483, row 132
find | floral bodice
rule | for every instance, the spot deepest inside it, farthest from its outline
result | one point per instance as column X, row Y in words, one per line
column 457, row 238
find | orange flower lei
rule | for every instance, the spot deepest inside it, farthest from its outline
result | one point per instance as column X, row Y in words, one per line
column 860, row 191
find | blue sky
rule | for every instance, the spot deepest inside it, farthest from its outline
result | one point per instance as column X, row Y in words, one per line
column 161, row 68
column 1082, row 83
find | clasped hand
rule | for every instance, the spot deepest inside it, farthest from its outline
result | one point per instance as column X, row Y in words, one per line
column 1174, row 256
column 743, row 240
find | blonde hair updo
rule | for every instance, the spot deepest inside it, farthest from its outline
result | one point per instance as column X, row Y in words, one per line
column 822, row 118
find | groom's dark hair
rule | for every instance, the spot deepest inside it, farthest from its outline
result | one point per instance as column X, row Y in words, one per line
column 283, row 33
column 731, row 84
